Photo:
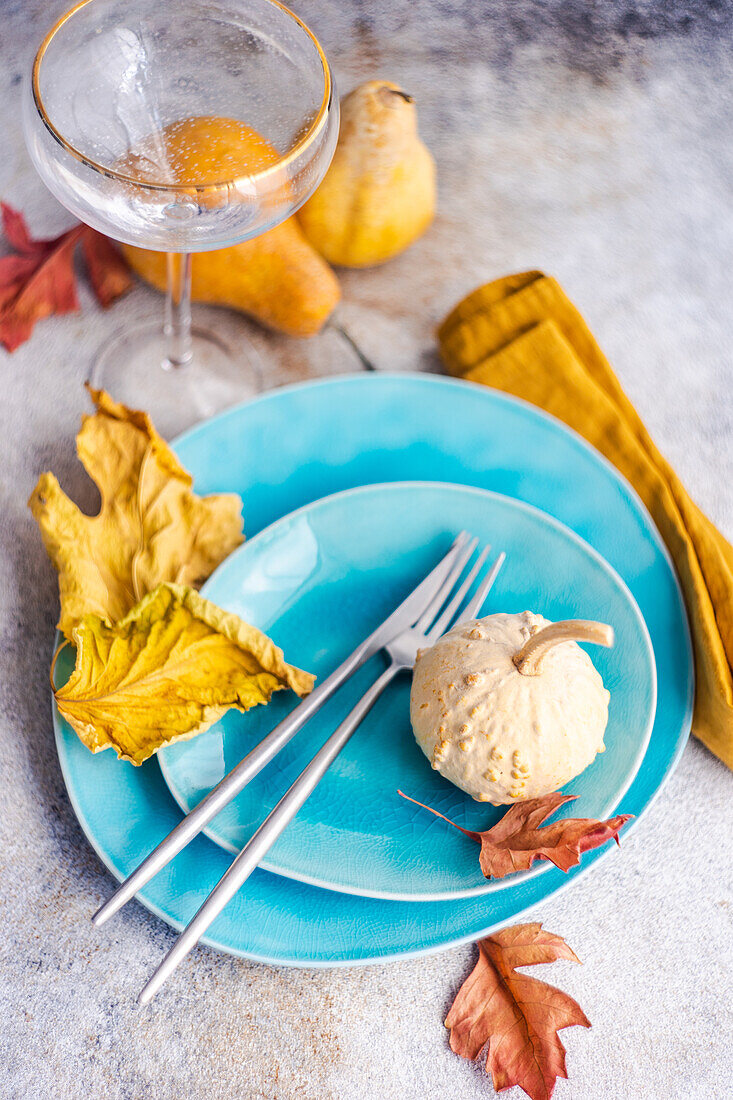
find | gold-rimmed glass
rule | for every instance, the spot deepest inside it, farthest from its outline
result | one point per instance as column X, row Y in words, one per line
column 113, row 86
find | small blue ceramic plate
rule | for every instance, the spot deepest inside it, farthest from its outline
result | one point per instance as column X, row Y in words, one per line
column 318, row 582
column 296, row 445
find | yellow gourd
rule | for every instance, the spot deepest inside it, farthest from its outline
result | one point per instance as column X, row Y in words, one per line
column 276, row 278
column 378, row 195
column 509, row 707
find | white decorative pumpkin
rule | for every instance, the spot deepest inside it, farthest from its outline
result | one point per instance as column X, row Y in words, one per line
column 509, row 707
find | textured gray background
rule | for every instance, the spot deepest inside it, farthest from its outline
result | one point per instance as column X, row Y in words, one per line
column 593, row 140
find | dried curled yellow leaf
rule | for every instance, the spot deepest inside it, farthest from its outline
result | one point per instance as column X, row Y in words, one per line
column 151, row 527
column 166, row 672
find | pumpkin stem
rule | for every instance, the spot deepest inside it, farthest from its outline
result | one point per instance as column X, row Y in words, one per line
column 529, row 658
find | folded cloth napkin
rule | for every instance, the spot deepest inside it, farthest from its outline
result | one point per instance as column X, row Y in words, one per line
column 522, row 335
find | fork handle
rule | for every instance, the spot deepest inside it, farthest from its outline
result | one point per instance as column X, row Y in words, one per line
column 270, row 829
column 228, row 787
column 238, row 778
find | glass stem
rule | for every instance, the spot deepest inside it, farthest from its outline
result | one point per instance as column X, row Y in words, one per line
column 178, row 311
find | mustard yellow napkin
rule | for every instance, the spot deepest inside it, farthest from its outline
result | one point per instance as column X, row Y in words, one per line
column 522, row 335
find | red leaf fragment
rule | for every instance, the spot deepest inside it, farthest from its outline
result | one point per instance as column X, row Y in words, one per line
column 39, row 279
column 17, row 235
column 108, row 273
column 14, row 271
column 517, row 840
column 517, row 1015
column 49, row 287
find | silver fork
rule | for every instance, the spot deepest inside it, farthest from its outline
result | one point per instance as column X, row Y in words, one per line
column 402, row 651
column 244, row 772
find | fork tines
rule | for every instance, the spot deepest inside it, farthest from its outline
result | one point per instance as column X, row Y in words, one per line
column 437, row 626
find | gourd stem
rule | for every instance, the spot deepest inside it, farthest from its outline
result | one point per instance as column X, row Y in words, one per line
column 529, row 658
column 386, row 93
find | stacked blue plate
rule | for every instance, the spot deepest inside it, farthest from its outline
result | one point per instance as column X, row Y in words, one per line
column 352, row 489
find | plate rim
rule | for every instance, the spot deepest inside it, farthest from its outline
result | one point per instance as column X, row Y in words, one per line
column 491, row 886
column 442, row 943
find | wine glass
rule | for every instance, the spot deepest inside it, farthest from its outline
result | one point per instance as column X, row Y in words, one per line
column 180, row 128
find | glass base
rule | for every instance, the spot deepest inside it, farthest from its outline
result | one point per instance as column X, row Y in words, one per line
column 133, row 367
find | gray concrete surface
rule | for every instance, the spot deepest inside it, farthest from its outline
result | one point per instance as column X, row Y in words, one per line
column 593, row 141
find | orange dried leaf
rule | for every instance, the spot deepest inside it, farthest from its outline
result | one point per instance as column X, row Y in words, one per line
column 517, row 1015
column 40, row 280
column 517, row 840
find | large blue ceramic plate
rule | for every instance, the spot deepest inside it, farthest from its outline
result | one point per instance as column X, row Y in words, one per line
column 296, row 445
column 318, row 581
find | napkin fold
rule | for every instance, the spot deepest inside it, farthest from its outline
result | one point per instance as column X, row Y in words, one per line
column 523, row 335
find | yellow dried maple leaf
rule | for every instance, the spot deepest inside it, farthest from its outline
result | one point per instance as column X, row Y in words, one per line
column 166, row 672
column 151, row 527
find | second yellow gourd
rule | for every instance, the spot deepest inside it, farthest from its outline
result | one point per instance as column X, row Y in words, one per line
column 378, row 196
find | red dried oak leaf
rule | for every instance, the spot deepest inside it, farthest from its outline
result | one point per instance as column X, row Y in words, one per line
column 517, row 1015
column 39, row 278
column 517, row 840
